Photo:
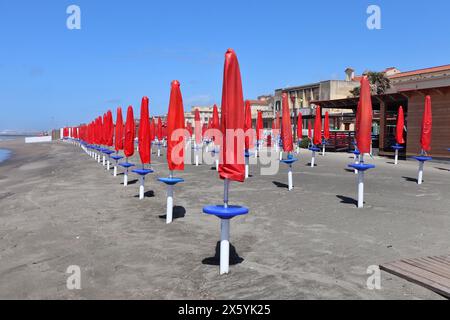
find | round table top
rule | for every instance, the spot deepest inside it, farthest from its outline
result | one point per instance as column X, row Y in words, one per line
column 361, row 166
column 314, row 149
column 248, row 154
column 289, row 160
column 126, row 164
column 116, row 157
column 108, row 152
column 397, row 147
column 225, row 213
column 356, row 152
column 171, row 181
column 423, row 158
column 142, row 172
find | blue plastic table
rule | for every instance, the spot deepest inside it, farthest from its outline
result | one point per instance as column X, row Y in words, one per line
column 225, row 213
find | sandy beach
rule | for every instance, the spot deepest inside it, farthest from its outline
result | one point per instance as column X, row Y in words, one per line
column 58, row 207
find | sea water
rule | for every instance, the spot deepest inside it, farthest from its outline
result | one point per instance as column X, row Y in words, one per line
column 4, row 154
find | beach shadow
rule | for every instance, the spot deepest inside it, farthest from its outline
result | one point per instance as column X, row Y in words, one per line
column 347, row 200
column 309, row 165
column 411, row 179
column 350, row 170
column 280, row 185
column 215, row 261
column 148, row 194
column 442, row 169
column 131, row 182
column 120, row 174
column 178, row 213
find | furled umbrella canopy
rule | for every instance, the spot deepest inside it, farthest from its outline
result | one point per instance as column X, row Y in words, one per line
column 259, row 126
column 248, row 126
column 326, row 127
column 110, row 140
column 198, row 127
column 299, row 126
column 144, row 133
column 232, row 150
column 364, row 116
column 119, row 130
column 175, row 129
column 129, row 133
column 427, row 122
column 159, row 130
column 152, row 130
column 318, row 127
column 215, row 119
column 309, row 130
column 286, row 127
column 400, row 126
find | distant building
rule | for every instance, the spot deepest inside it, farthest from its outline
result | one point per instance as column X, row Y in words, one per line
column 408, row 89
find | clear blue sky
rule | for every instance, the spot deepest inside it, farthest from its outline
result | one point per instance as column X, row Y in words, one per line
column 51, row 76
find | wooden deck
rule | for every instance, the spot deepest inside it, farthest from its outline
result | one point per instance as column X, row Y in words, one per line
column 432, row 273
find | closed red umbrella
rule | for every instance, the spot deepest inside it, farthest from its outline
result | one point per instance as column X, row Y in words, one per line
column 286, row 127
column 129, row 133
column 326, row 127
column 299, row 126
column 215, row 119
column 318, row 127
column 159, row 130
column 152, row 130
column 119, row 130
column 364, row 129
column 309, row 130
column 248, row 126
column 144, row 133
column 175, row 126
column 110, row 140
column 232, row 154
column 400, row 126
column 189, row 128
column 427, row 122
column 259, row 127
column 198, row 127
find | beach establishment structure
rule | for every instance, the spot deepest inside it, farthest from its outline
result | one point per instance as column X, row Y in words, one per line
column 408, row 89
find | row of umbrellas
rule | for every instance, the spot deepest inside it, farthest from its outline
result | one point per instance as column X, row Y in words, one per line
column 235, row 116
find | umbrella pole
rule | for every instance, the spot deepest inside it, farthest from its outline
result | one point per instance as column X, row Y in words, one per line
column 313, row 159
column 396, row 157
column 141, row 187
column 323, row 149
column 420, row 176
column 225, row 234
column 169, row 211
column 291, row 186
column 361, row 186
column 246, row 167
column 125, row 176
column 115, row 170
column 104, row 160
column 356, row 162
column 108, row 164
column 159, row 149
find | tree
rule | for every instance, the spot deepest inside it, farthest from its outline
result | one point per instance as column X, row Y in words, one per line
column 378, row 81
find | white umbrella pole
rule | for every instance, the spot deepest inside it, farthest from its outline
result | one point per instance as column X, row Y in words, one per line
column 420, row 176
column 396, row 157
column 291, row 186
column 159, row 149
column 356, row 162
column 108, row 164
column 323, row 150
column 141, row 187
column 99, row 158
column 115, row 170
column 281, row 155
column 125, row 175
column 225, row 235
column 313, row 159
column 169, row 210
column 217, row 164
column 104, row 160
column 361, row 187
column 246, row 168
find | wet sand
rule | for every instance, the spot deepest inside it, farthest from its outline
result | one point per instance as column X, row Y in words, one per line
column 59, row 208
